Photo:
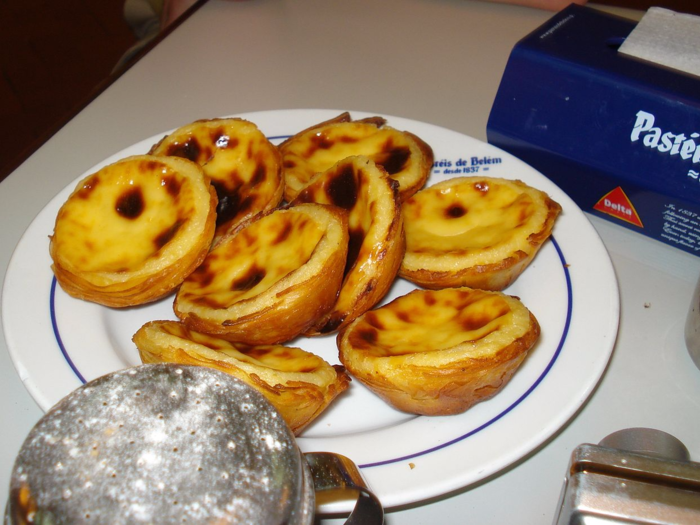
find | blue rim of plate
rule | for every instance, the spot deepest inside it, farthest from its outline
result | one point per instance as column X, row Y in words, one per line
column 462, row 437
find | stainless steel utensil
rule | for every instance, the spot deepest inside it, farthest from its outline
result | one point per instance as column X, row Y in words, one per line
column 173, row 444
column 636, row 475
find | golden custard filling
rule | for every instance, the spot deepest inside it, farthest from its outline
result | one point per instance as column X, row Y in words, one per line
column 253, row 260
column 271, row 363
column 417, row 324
column 243, row 166
column 318, row 150
column 123, row 216
column 368, row 223
column 467, row 219
column 322, row 149
column 357, row 185
column 439, row 352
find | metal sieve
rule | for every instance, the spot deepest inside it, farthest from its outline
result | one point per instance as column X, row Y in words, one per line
column 166, row 443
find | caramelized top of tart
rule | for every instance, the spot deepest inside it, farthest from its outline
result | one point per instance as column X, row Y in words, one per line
column 132, row 216
column 405, row 157
column 375, row 249
column 482, row 220
column 428, row 327
column 274, row 364
column 254, row 260
column 243, row 166
column 264, row 256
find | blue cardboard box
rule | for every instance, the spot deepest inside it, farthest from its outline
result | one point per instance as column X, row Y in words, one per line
column 620, row 135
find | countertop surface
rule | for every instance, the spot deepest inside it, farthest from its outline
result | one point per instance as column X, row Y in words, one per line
column 433, row 61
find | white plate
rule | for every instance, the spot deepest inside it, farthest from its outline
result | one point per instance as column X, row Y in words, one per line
column 58, row 342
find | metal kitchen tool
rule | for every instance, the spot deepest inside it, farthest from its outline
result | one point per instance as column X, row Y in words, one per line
column 634, row 476
column 173, row 444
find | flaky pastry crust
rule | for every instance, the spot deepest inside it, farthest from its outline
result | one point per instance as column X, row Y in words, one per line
column 480, row 232
column 131, row 232
column 439, row 352
column 405, row 157
column 271, row 279
column 242, row 164
column 299, row 384
column 376, row 238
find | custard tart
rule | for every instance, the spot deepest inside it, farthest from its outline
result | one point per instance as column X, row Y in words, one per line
column 299, row 384
column 478, row 232
column 242, row 164
column 131, row 232
column 405, row 157
column 439, row 352
column 376, row 240
column 270, row 279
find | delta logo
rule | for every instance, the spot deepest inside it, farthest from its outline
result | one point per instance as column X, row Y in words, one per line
column 617, row 204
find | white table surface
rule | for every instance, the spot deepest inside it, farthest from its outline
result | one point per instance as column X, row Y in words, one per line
column 438, row 61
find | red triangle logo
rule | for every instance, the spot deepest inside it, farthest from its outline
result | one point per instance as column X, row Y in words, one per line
column 617, row 204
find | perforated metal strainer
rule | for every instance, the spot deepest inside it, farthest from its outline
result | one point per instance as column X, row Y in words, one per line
column 172, row 444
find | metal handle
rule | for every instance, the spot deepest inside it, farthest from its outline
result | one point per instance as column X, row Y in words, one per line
column 336, row 477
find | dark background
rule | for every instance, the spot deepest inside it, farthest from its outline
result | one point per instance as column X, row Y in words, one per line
column 55, row 54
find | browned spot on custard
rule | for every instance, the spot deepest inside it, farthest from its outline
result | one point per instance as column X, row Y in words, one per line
column 455, row 211
column 393, row 158
column 249, row 280
column 462, row 299
column 247, row 203
column 259, row 175
column 130, row 203
column 356, row 238
column 283, row 233
column 150, row 165
column 404, row 316
column 88, row 187
column 172, row 185
column 246, row 237
column 320, row 141
column 481, row 336
column 476, row 321
column 364, row 338
column 429, row 298
column 202, row 276
column 341, row 188
column 209, row 302
column 306, row 369
column 167, row 235
column 250, row 152
column 228, row 193
column 190, row 149
column 372, row 319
